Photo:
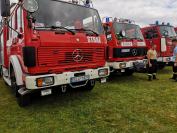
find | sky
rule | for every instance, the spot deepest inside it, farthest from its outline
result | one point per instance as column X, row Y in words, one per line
column 143, row 12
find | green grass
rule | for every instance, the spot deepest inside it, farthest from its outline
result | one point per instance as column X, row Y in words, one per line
column 124, row 104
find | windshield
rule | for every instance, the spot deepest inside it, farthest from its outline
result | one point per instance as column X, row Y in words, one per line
column 131, row 31
column 167, row 31
column 70, row 16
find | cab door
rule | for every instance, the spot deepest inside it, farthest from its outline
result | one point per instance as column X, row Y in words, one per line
column 152, row 37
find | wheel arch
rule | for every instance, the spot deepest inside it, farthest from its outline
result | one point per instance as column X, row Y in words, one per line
column 15, row 66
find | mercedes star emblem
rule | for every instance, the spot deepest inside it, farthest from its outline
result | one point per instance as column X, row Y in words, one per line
column 134, row 52
column 77, row 55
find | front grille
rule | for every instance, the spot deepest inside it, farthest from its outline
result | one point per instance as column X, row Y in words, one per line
column 62, row 56
column 129, row 52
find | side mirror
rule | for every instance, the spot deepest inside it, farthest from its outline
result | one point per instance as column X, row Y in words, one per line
column 122, row 33
column 165, row 33
column 30, row 6
column 20, row 36
column 106, row 28
column 5, row 8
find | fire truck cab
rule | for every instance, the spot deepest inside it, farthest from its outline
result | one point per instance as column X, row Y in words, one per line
column 161, row 35
column 126, row 45
column 51, row 45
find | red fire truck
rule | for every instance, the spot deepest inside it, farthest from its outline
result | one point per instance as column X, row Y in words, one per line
column 51, row 45
column 126, row 45
column 161, row 35
column 176, row 30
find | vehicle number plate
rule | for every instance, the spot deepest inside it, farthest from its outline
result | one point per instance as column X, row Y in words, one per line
column 103, row 80
column 80, row 79
column 122, row 70
column 46, row 92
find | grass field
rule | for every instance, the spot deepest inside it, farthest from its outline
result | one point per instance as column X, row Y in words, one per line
column 124, row 104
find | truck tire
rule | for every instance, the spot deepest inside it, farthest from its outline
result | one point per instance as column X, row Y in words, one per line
column 23, row 100
column 161, row 66
column 0, row 71
column 128, row 72
column 14, row 85
column 90, row 85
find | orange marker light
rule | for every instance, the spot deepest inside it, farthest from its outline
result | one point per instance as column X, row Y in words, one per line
column 39, row 82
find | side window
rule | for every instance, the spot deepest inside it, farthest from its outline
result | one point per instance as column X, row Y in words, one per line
column 155, row 33
column 9, row 34
column 151, row 33
column 19, row 19
column 14, row 25
column 11, row 24
column 1, row 41
column 1, row 47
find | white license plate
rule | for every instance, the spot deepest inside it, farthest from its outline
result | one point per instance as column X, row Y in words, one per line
column 103, row 80
column 125, row 50
column 168, row 59
column 80, row 79
column 122, row 70
column 46, row 92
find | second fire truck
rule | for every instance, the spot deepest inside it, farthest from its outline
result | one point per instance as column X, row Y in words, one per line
column 126, row 45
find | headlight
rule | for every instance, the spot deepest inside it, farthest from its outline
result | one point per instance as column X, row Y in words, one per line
column 45, row 81
column 122, row 65
column 103, row 72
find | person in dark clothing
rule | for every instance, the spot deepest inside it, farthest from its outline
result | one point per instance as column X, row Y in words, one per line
column 174, row 60
column 152, row 62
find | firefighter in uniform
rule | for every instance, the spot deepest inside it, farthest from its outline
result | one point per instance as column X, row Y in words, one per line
column 152, row 62
column 175, row 60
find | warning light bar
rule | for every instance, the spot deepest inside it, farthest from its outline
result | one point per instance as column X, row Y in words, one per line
column 163, row 23
column 120, row 20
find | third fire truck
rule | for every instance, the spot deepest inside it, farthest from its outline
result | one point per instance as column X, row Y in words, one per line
column 162, row 36
column 126, row 45
column 49, row 45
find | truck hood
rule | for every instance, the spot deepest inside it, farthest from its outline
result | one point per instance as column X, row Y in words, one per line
column 59, row 53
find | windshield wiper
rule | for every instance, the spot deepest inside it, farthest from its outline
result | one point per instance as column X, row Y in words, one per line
column 61, row 27
column 89, row 30
column 56, row 27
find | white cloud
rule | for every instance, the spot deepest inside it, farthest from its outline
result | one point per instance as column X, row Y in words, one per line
column 144, row 12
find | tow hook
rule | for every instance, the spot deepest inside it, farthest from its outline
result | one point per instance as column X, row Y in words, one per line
column 63, row 89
